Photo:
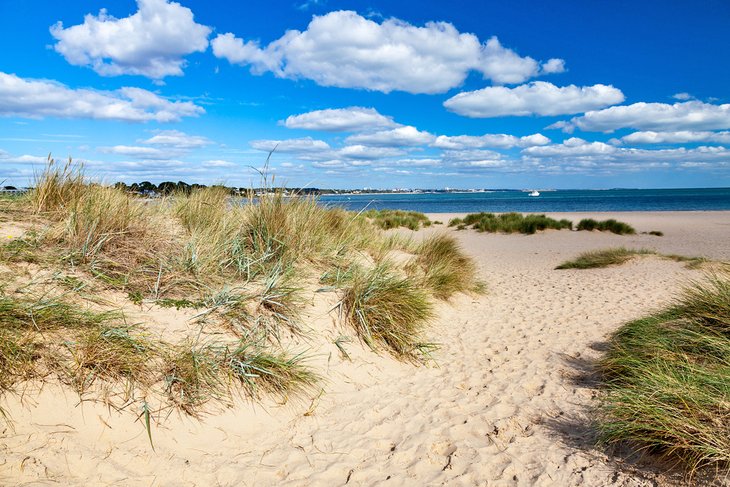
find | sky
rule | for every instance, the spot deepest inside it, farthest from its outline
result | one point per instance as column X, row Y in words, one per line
column 377, row 94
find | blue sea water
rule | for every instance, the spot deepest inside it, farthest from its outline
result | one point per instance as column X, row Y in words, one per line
column 548, row 201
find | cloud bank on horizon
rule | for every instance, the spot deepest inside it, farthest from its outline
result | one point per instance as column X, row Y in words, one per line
column 345, row 99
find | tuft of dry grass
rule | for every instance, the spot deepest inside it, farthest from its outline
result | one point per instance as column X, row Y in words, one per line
column 388, row 310
column 113, row 354
column 443, row 267
column 260, row 370
column 57, row 186
column 18, row 353
column 193, row 376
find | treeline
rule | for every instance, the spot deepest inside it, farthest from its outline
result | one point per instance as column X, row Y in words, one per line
column 168, row 187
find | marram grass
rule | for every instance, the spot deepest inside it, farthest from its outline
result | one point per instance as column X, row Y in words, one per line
column 443, row 267
column 509, row 223
column 387, row 310
column 620, row 255
column 244, row 263
column 666, row 379
column 603, row 258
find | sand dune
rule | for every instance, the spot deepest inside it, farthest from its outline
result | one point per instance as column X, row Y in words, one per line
column 508, row 403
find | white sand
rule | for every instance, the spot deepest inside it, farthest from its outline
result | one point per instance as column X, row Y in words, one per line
column 506, row 404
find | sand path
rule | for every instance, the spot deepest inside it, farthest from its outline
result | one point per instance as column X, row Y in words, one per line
column 505, row 406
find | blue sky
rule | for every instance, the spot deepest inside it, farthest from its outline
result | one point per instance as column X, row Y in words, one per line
column 352, row 94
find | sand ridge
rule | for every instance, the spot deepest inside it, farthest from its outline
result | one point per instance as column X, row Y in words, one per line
column 508, row 402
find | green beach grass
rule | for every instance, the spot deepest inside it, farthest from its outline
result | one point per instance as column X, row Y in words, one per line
column 595, row 259
column 244, row 267
column 666, row 379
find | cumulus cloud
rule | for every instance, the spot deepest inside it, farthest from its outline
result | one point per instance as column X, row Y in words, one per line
column 573, row 146
column 347, row 50
column 43, row 98
column 152, row 42
column 364, row 152
column 497, row 141
column 6, row 158
column 398, row 137
column 691, row 115
column 536, row 98
column 678, row 137
column 579, row 155
column 139, row 152
column 351, row 119
column 218, row 163
column 177, row 139
column 684, row 96
column 303, row 145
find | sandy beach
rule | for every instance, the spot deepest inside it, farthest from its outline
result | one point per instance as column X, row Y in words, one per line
column 508, row 400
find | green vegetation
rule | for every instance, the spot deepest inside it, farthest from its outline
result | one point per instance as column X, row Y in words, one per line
column 443, row 267
column 193, row 376
column 616, row 256
column 389, row 310
column 387, row 219
column 603, row 258
column 666, row 382
column 112, row 353
column 610, row 225
column 247, row 267
column 509, row 223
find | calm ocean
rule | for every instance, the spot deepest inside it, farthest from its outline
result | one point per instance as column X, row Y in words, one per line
column 548, row 201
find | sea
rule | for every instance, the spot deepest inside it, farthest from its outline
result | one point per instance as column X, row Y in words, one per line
column 701, row 199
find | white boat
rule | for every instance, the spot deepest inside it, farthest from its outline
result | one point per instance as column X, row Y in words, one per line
column 534, row 193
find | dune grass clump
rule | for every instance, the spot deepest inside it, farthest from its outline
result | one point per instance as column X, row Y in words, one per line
column 617, row 256
column 611, row 225
column 260, row 370
column 387, row 219
column 193, row 376
column 47, row 314
column 113, row 354
column 443, row 267
column 666, row 379
column 388, row 310
column 18, row 353
column 509, row 223
column 603, row 258
column 58, row 186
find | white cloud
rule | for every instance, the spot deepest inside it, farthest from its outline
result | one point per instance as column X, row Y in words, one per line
column 218, row 163
column 351, row 119
column 418, row 162
column 679, row 137
column 691, row 115
column 152, row 42
column 553, row 66
column 683, row 96
column 347, row 50
column 303, row 145
column 497, row 141
column 398, row 137
column 44, row 98
column 140, row 152
column 536, row 98
column 6, row 158
column 578, row 155
column 177, row 139
column 363, row 152
column 573, row 146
